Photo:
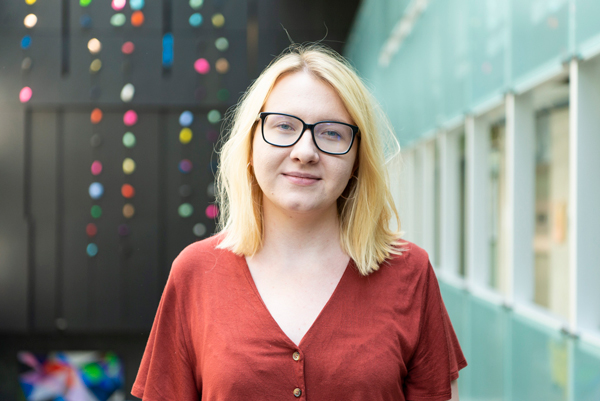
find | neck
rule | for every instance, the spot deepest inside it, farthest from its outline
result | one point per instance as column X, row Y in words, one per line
column 300, row 238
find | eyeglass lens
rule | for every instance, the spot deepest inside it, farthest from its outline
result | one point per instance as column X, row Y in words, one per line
column 284, row 130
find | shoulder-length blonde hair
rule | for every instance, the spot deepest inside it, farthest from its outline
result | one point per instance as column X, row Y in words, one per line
column 365, row 208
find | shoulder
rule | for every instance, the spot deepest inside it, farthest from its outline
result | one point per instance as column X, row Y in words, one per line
column 411, row 265
column 198, row 257
column 411, row 256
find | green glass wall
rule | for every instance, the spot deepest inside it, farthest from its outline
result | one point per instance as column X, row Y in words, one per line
column 464, row 53
column 512, row 357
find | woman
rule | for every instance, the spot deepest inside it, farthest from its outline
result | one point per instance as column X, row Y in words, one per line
column 306, row 293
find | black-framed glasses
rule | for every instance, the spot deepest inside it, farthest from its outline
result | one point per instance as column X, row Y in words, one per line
column 284, row 130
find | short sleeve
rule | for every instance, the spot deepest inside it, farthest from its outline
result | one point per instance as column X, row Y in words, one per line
column 438, row 356
column 166, row 372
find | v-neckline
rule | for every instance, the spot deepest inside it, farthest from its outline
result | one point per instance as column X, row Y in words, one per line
column 254, row 288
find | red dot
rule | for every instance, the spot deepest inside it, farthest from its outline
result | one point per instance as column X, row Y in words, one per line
column 128, row 48
column 96, row 116
column 127, row 191
column 91, row 230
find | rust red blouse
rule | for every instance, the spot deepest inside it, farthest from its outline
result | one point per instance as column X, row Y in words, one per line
column 386, row 336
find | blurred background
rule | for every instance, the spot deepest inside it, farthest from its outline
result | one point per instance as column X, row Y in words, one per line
column 110, row 113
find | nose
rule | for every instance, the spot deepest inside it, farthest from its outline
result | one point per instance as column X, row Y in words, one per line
column 305, row 150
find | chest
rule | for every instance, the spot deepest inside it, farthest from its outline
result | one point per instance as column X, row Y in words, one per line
column 295, row 301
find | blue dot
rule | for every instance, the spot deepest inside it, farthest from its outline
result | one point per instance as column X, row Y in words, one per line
column 195, row 19
column 186, row 118
column 96, row 190
column 26, row 42
column 92, row 250
column 85, row 21
column 136, row 4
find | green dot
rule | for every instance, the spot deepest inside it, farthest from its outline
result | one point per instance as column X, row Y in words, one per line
column 96, row 211
column 84, row 3
column 214, row 116
column 222, row 44
column 129, row 140
column 223, row 95
column 118, row 19
column 196, row 4
column 185, row 210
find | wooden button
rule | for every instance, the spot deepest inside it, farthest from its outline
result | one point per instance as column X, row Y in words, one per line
column 297, row 392
column 296, row 356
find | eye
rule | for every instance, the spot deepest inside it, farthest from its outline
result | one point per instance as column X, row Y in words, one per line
column 330, row 135
column 285, row 126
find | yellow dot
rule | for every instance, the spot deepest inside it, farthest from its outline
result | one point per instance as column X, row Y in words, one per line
column 185, row 136
column 128, row 166
column 30, row 2
column 218, row 20
column 96, row 65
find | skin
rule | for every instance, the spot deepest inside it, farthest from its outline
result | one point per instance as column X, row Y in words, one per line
column 301, row 260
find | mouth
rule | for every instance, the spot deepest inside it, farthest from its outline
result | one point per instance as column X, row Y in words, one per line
column 301, row 178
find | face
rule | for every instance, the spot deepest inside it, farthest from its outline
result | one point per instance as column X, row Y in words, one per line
column 301, row 178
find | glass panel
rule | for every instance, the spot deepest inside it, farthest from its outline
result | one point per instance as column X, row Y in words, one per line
column 587, row 372
column 488, row 33
column 497, row 211
column 586, row 21
column 540, row 34
column 551, row 245
column 539, row 362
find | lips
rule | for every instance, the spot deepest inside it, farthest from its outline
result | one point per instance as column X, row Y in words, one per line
column 301, row 178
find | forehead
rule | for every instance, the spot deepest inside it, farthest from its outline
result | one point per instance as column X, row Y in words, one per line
column 304, row 95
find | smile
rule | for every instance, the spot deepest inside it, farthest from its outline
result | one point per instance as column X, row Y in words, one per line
column 301, row 178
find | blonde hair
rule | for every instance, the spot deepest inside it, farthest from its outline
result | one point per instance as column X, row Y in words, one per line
column 366, row 206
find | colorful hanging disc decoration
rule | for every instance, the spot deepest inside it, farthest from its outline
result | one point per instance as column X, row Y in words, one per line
column 96, row 167
column 212, row 211
column 25, row 94
column 137, row 18
column 96, row 190
column 128, row 210
column 96, row 116
column 136, row 4
column 30, row 21
column 214, row 116
column 195, row 20
column 85, row 21
column 84, row 3
column 130, row 118
column 127, row 191
column 118, row 4
column 202, row 66
column 185, row 210
column 196, row 4
column 185, row 166
column 127, row 93
column 26, row 42
column 96, row 211
column 91, row 230
column 128, row 166
column 218, row 20
column 185, row 136
column 95, row 66
column 186, row 118
column 127, row 48
column 222, row 66
column 94, row 46
column 92, row 250
column 222, row 44
column 118, row 19
column 199, row 229
column 129, row 140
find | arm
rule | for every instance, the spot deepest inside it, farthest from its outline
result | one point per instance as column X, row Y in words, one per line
column 454, row 387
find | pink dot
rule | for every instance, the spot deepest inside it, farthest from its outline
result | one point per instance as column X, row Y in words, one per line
column 212, row 211
column 201, row 66
column 118, row 4
column 130, row 118
column 96, row 167
column 128, row 48
column 25, row 94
